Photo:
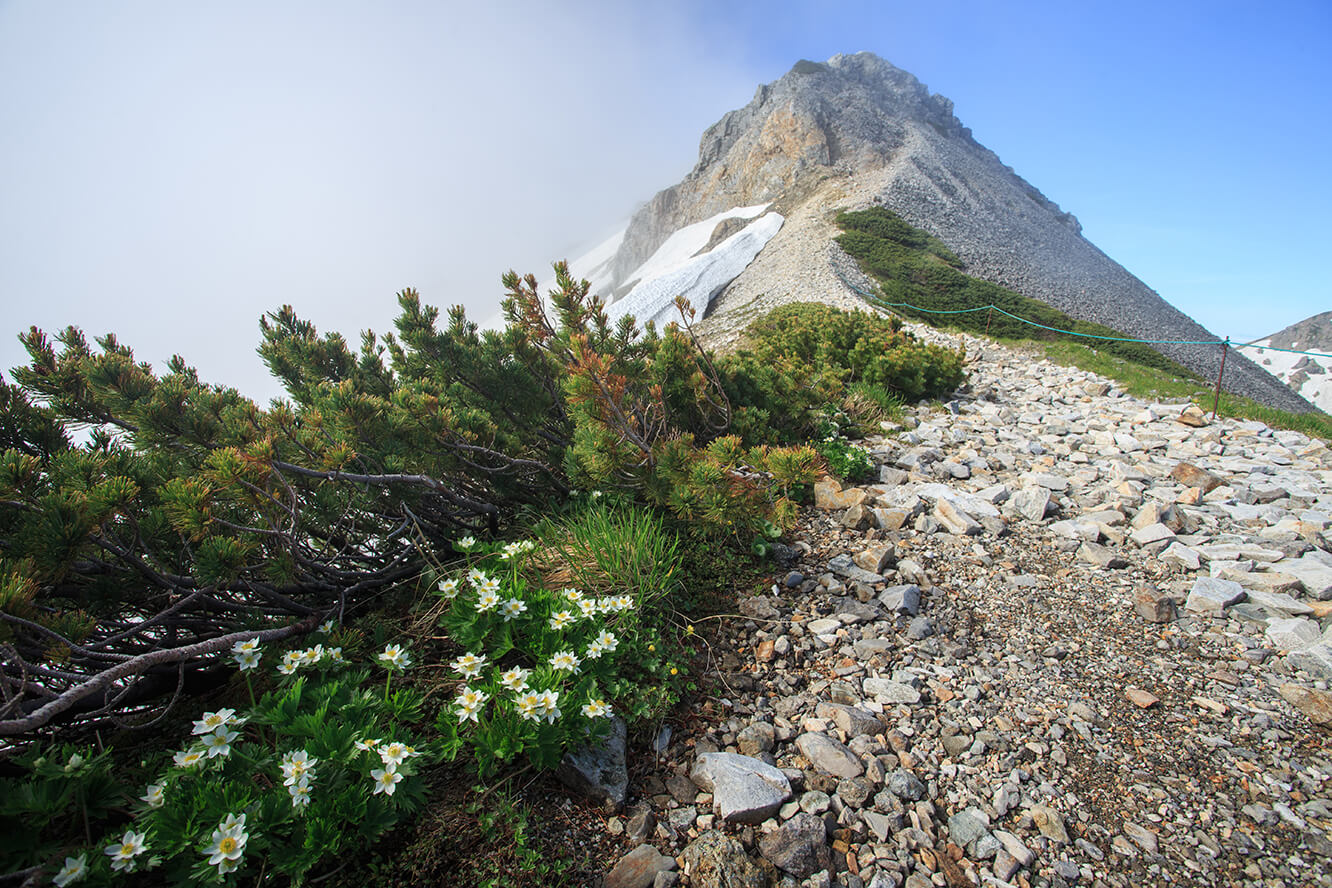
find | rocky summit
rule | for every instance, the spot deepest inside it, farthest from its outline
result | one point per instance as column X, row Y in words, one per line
column 854, row 132
column 1066, row 637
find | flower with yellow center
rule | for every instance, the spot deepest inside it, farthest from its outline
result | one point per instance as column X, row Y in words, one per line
column 515, row 679
column 488, row 600
column 228, row 844
column 153, row 797
column 469, row 703
column 469, row 664
column 75, row 868
column 122, row 853
column 560, row 619
column 386, row 780
column 188, row 758
column 448, row 588
column 395, row 656
column 564, row 661
column 513, row 608
column 597, row 709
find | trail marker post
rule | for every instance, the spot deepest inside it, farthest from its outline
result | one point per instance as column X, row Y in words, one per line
column 1216, row 400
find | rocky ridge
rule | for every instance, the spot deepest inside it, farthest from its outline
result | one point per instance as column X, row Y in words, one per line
column 857, row 131
column 1069, row 637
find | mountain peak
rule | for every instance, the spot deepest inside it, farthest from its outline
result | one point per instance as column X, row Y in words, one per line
column 857, row 131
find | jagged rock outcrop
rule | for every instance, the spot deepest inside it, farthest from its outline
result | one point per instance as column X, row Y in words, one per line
column 857, row 131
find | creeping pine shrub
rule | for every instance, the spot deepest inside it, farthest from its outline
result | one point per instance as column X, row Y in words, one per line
column 318, row 767
column 803, row 356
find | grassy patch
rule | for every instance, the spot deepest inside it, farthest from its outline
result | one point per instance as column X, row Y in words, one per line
column 911, row 265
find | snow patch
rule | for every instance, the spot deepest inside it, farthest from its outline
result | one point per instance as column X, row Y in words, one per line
column 699, row 278
column 1316, row 389
column 680, row 247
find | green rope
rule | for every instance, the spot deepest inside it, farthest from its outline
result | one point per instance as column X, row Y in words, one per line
column 880, row 301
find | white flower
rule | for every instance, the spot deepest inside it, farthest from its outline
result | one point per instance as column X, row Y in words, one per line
column 247, row 659
column 511, row 549
column 607, row 641
column 122, row 853
column 246, row 647
column 560, row 619
column 489, row 584
column 75, row 868
column 465, row 543
column 154, row 796
column 75, row 762
column 335, row 654
column 219, row 742
column 448, row 588
column 587, row 607
column 291, row 661
column 571, row 595
column 297, row 765
column 548, row 700
column 313, row 655
column 394, row 753
column 597, row 709
column 469, row 704
column 529, row 705
column 515, row 679
column 386, row 781
column 300, row 792
column 469, row 664
column 395, row 656
column 593, row 652
column 623, row 602
column 512, row 608
column 188, row 758
column 327, row 626
column 476, row 577
column 233, row 821
column 228, row 844
column 564, row 661
column 606, row 605
column 487, row 600
column 211, row 721
column 368, row 745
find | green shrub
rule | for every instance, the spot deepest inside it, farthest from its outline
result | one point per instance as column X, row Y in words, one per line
column 804, row 356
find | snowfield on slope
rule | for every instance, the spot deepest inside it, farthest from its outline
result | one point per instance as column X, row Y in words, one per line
column 674, row 270
column 1316, row 388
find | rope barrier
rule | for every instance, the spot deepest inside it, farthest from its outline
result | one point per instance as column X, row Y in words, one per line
column 1226, row 342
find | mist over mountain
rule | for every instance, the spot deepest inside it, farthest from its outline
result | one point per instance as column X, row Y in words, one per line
column 855, row 132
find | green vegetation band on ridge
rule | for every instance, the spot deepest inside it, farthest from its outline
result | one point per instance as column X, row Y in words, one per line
column 911, row 265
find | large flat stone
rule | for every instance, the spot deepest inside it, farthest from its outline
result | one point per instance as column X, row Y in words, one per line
column 1212, row 596
column 744, row 789
column 828, row 755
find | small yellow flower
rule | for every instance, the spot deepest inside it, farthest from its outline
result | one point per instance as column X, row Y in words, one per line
column 674, row 671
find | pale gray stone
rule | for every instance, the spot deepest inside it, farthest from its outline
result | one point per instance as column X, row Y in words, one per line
column 744, row 789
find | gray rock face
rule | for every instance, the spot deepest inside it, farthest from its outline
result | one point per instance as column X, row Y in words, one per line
column 873, row 133
column 715, row 860
column 799, row 846
column 1210, row 595
column 744, row 789
column 829, row 755
column 600, row 771
column 639, row 868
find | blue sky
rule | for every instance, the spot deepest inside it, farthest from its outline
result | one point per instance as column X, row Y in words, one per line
column 171, row 171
